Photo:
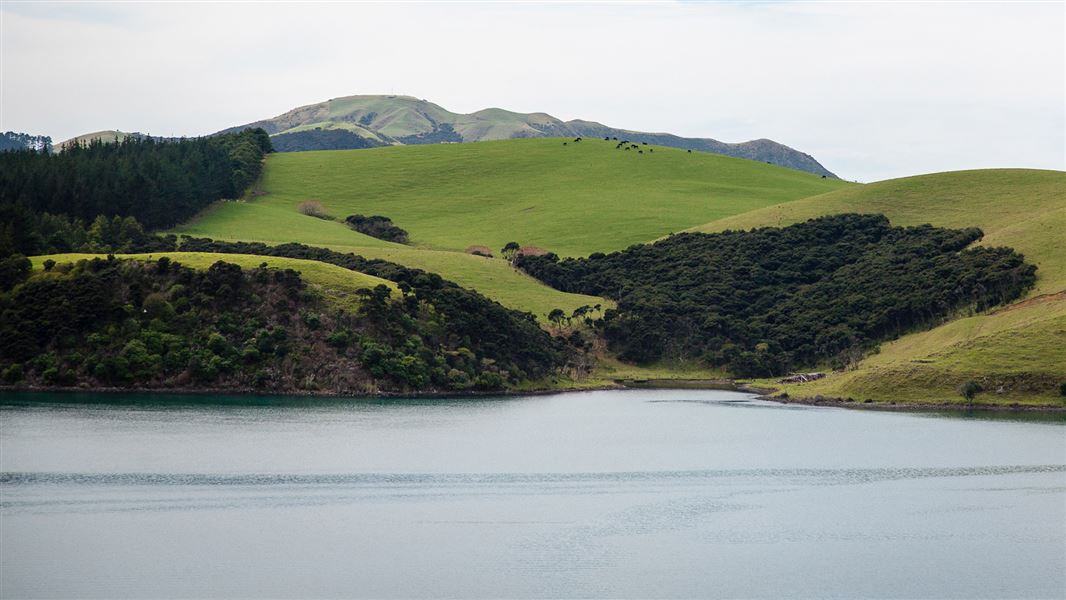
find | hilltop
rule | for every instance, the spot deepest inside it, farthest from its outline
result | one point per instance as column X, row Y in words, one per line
column 109, row 136
column 368, row 121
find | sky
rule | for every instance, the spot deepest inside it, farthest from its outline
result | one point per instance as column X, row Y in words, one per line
column 871, row 90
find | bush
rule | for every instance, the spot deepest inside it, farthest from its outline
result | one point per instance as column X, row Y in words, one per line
column 314, row 208
column 13, row 270
column 13, row 374
column 377, row 227
column 970, row 389
column 488, row 381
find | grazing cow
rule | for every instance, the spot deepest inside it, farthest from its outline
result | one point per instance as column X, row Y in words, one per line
column 606, row 138
column 690, row 151
column 564, row 143
column 628, row 148
column 651, row 149
column 823, row 176
column 644, row 143
column 640, row 152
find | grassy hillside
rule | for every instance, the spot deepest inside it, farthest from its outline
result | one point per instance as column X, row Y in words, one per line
column 573, row 200
column 495, row 278
column 1023, row 349
column 338, row 284
column 1017, row 355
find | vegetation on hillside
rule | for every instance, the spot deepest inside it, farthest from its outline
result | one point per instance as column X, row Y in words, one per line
column 1024, row 209
column 321, row 139
column 763, row 302
column 482, row 323
column 12, row 140
column 156, row 183
column 162, row 325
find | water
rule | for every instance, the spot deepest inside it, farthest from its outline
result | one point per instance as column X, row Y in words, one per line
column 643, row 493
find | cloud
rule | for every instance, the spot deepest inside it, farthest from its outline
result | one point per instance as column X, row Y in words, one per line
column 871, row 90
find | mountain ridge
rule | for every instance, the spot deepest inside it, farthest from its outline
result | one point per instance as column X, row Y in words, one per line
column 363, row 121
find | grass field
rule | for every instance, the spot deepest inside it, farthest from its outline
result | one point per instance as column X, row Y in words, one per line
column 1024, row 347
column 338, row 284
column 576, row 199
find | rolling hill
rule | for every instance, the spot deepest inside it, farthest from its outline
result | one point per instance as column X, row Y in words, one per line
column 533, row 191
column 1017, row 353
column 368, row 121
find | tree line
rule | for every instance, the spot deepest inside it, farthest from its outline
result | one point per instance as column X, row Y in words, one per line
column 767, row 301
column 49, row 202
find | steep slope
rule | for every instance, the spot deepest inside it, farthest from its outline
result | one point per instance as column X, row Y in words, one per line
column 1018, row 354
column 378, row 120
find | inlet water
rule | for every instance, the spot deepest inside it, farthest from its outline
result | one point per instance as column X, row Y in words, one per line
column 642, row 493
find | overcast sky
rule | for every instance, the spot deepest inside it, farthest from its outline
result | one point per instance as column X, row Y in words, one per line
column 872, row 90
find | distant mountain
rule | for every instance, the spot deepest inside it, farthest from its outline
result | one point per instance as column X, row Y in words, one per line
column 12, row 140
column 369, row 121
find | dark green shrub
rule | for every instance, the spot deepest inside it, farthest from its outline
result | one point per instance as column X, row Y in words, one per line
column 13, row 270
column 13, row 374
column 970, row 389
column 488, row 381
column 378, row 227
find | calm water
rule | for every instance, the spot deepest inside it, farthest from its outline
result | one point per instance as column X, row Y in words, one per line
column 600, row 494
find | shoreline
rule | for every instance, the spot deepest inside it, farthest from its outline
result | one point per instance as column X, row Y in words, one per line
column 762, row 393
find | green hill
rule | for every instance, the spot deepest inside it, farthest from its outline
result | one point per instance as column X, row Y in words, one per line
column 369, row 120
column 536, row 192
column 575, row 199
column 107, row 135
column 1021, row 350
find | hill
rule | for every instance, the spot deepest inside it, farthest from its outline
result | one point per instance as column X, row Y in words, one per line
column 107, row 135
column 368, row 121
column 1019, row 353
column 534, row 191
